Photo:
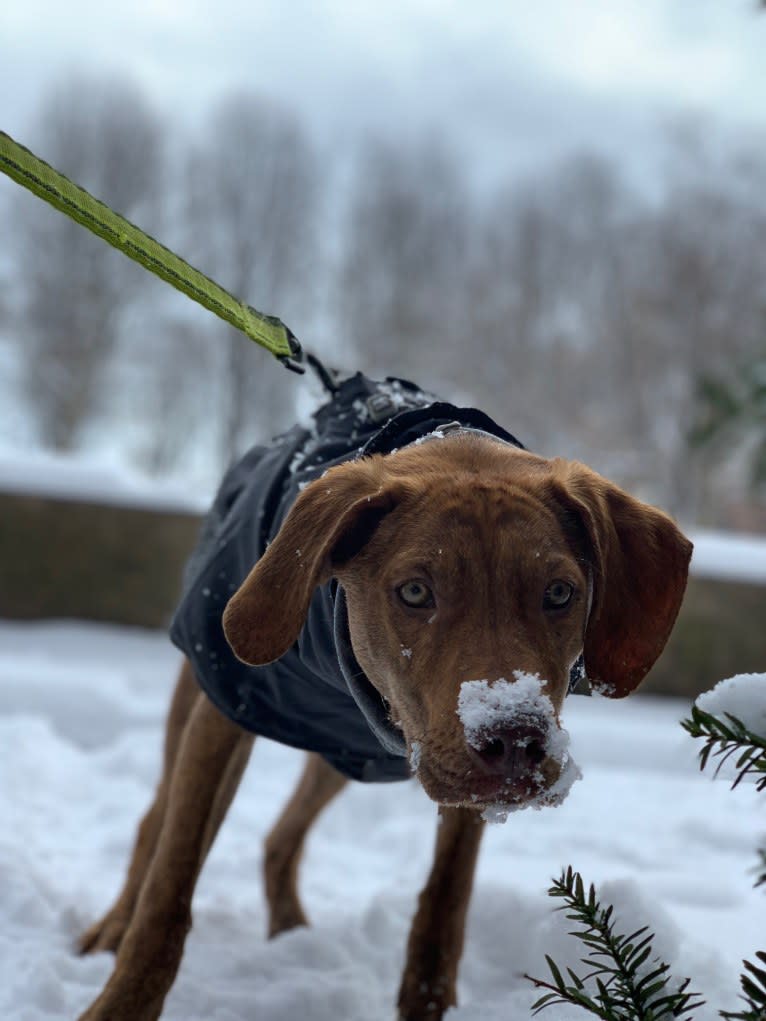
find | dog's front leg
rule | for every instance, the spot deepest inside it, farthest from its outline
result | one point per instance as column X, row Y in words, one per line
column 436, row 937
column 107, row 933
column 211, row 759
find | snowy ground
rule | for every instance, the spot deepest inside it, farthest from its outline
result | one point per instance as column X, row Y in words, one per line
column 81, row 711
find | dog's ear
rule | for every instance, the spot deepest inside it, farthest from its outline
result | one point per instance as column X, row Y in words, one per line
column 329, row 522
column 639, row 562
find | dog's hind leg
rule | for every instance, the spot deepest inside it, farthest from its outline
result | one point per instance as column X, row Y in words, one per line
column 209, row 763
column 318, row 785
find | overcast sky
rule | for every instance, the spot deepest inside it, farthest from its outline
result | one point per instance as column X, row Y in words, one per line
column 511, row 83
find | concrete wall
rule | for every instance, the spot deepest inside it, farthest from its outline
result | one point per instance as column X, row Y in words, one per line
column 66, row 558
column 719, row 632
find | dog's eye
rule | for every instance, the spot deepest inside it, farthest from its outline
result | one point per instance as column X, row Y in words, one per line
column 415, row 593
column 557, row 595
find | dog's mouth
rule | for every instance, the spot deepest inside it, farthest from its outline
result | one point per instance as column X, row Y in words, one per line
column 495, row 800
column 514, row 753
column 544, row 796
column 468, row 780
column 470, row 789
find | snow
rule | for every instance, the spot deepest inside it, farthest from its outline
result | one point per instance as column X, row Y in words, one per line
column 98, row 479
column 483, row 708
column 435, row 434
column 743, row 696
column 728, row 556
column 81, row 714
column 389, row 398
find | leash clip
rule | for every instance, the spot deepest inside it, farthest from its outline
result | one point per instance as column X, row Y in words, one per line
column 294, row 361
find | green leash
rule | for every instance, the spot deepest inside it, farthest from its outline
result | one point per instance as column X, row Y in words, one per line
column 42, row 180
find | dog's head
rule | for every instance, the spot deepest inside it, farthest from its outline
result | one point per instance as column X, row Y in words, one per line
column 475, row 575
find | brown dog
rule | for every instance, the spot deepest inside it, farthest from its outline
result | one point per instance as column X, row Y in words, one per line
column 462, row 559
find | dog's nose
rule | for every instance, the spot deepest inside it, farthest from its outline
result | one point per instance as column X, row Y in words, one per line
column 511, row 752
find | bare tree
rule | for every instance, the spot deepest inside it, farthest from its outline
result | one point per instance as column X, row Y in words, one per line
column 602, row 312
column 252, row 223
column 164, row 378
column 536, row 288
column 702, row 313
column 579, row 314
column 102, row 134
column 403, row 274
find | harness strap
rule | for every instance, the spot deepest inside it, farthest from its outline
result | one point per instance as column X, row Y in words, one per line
column 327, row 377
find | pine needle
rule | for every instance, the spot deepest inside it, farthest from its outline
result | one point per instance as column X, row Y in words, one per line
column 723, row 740
column 624, row 989
column 753, row 982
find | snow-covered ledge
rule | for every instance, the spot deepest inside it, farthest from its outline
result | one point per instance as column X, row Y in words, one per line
column 97, row 479
column 728, row 556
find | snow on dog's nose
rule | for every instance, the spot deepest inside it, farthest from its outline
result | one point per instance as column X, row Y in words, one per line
column 513, row 734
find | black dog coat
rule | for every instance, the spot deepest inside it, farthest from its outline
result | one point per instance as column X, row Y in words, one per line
column 316, row 696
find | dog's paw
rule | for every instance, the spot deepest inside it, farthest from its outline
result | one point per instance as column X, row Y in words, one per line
column 428, row 1012
column 284, row 916
column 424, row 1002
column 103, row 935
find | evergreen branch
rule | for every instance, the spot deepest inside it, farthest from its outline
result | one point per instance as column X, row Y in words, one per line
column 724, row 740
column 615, row 962
column 753, row 982
column 721, row 407
column 733, row 407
